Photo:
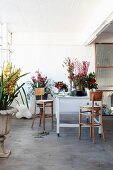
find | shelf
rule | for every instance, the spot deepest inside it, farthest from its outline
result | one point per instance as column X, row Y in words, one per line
column 104, row 66
column 105, row 90
column 107, row 115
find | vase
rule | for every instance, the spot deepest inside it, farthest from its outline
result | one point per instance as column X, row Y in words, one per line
column 80, row 91
column 44, row 97
column 88, row 92
column 5, row 126
column 70, row 86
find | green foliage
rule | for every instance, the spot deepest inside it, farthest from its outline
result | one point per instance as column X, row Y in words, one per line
column 91, row 81
column 61, row 86
column 9, row 89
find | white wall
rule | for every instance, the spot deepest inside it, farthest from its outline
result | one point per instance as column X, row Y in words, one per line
column 47, row 52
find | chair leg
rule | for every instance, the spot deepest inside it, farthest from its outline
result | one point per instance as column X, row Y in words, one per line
column 79, row 133
column 90, row 125
column 103, row 134
column 34, row 116
column 43, row 116
column 101, row 123
column 93, row 132
column 79, row 137
column 52, row 115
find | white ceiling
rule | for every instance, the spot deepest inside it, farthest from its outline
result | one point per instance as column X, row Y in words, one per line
column 69, row 16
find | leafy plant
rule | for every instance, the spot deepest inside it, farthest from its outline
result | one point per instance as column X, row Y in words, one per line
column 70, row 65
column 81, row 71
column 61, row 86
column 39, row 80
column 91, row 82
column 9, row 89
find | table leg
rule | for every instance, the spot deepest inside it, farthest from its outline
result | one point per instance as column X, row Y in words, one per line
column 57, row 116
column 100, row 128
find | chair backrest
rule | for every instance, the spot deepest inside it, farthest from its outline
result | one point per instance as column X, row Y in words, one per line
column 39, row 91
column 96, row 95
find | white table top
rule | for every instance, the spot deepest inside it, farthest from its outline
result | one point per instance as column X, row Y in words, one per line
column 71, row 97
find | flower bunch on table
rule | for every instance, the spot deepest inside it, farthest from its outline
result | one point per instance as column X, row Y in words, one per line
column 80, row 76
column 70, row 64
column 61, row 86
column 91, row 82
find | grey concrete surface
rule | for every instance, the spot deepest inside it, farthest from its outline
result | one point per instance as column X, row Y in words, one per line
column 32, row 151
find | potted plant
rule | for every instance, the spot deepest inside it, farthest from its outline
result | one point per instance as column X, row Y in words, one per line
column 61, row 86
column 38, row 80
column 8, row 93
column 70, row 64
column 77, row 73
column 80, row 77
column 91, row 82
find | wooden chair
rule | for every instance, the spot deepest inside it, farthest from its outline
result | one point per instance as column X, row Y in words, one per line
column 93, row 111
column 42, row 104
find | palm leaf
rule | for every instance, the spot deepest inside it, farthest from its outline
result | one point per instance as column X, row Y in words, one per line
column 21, row 97
column 14, row 94
column 25, row 97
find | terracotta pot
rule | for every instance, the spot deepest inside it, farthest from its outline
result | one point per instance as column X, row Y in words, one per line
column 5, row 126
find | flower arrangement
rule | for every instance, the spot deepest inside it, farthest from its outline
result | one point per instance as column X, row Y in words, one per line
column 79, row 79
column 9, row 89
column 70, row 64
column 91, row 81
column 61, row 86
column 39, row 80
column 78, row 74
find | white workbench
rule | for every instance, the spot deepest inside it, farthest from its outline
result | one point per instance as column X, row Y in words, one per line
column 67, row 104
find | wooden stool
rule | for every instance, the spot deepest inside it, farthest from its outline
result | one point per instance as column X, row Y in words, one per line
column 42, row 104
column 92, row 111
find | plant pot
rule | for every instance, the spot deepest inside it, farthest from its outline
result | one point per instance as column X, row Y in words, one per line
column 5, row 126
column 44, row 97
column 81, row 93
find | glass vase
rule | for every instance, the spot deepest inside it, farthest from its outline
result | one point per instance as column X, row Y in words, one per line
column 70, row 86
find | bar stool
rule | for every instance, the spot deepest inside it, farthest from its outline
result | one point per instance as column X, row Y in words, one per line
column 92, row 111
column 42, row 104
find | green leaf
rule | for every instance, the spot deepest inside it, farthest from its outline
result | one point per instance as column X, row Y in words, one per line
column 25, row 97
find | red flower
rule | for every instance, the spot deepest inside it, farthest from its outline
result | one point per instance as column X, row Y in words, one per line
column 61, row 86
column 91, row 81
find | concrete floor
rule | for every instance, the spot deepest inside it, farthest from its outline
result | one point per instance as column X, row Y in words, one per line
column 30, row 151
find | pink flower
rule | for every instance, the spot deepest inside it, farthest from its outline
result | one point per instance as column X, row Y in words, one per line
column 39, row 79
column 70, row 64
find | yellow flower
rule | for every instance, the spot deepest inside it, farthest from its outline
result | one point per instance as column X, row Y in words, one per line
column 8, row 71
column 8, row 85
